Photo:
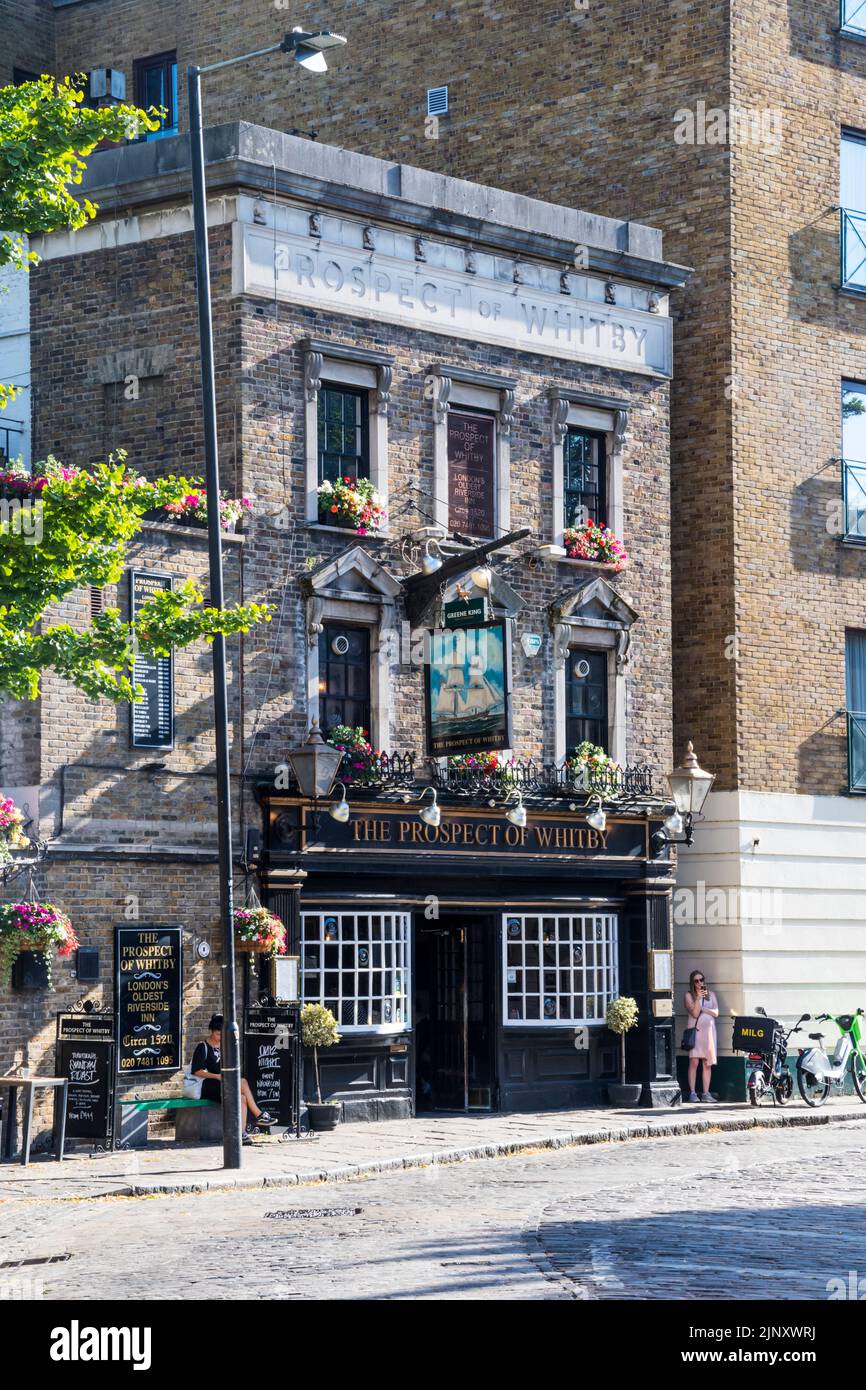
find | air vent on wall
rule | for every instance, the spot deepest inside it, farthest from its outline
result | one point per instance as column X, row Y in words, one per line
column 437, row 101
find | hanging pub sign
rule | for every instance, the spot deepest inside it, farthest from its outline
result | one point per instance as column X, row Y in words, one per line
column 149, row 963
column 152, row 717
column 468, row 697
column 85, row 1056
column 471, row 473
column 469, row 612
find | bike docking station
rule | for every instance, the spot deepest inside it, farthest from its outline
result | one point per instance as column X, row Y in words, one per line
column 765, row 1040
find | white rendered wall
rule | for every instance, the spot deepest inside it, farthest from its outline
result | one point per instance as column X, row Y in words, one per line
column 789, row 930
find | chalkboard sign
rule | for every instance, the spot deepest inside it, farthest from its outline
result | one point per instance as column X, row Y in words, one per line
column 471, row 473
column 149, row 966
column 272, row 1059
column 152, row 717
column 85, row 1054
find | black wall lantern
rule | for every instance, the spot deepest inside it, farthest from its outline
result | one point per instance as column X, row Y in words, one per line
column 690, row 786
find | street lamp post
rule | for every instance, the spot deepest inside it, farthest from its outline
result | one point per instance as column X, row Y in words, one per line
column 308, row 50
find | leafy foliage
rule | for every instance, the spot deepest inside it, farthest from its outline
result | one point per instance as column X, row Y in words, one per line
column 84, row 523
column 45, row 135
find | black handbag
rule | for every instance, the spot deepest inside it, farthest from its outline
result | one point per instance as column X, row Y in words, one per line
column 689, row 1038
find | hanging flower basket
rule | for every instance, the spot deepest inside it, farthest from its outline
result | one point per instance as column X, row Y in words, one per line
column 589, row 767
column 33, row 927
column 595, row 543
column 351, row 502
column 259, row 931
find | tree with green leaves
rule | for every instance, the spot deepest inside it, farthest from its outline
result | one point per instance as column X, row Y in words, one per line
column 45, row 135
column 64, row 529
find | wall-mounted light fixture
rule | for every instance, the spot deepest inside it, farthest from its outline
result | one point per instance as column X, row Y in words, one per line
column 690, row 786
column 339, row 810
column 517, row 814
column 597, row 818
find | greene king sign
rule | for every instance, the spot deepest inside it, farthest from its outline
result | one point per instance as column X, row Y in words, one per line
column 439, row 299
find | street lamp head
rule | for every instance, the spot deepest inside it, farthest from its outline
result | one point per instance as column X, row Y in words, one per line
column 309, row 49
column 315, row 765
column 690, row 785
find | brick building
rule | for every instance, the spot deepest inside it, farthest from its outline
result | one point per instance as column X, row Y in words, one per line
column 377, row 321
column 739, row 132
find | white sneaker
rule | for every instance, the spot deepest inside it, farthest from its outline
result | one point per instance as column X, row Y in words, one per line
column 694, row 1099
column 708, row 1099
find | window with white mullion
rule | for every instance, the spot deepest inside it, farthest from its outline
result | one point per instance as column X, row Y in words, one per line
column 558, row 970
column 358, row 965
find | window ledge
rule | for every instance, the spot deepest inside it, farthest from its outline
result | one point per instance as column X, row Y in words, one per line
column 851, row 544
column 852, row 291
column 348, row 532
column 850, row 34
column 192, row 533
column 597, row 566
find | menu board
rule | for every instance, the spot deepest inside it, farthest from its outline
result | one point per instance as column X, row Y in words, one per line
column 152, row 717
column 471, row 473
column 149, row 962
column 271, row 1059
column 85, row 1054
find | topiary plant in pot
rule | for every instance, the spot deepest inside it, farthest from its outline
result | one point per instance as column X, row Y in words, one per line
column 319, row 1029
column 621, row 1016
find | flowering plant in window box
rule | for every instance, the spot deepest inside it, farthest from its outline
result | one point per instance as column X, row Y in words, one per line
column 593, row 541
column 352, row 502
column 12, row 835
column 192, row 509
column 15, row 481
column 475, row 762
column 590, row 767
column 362, row 764
column 33, row 927
column 258, row 930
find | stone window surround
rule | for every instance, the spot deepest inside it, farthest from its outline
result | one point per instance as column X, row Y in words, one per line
column 571, row 629
column 461, row 386
column 601, row 413
column 347, row 366
column 374, row 607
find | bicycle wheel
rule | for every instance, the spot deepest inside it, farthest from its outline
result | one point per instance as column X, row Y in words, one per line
column 812, row 1089
column 785, row 1089
column 858, row 1075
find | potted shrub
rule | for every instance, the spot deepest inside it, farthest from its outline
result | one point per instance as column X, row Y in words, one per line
column 319, row 1029
column 33, row 927
column 594, row 542
column 622, row 1015
column 361, row 765
column 589, row 767
column 258, row 930
column 353, row 503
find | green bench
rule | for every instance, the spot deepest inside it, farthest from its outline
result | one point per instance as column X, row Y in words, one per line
column 189, row 1126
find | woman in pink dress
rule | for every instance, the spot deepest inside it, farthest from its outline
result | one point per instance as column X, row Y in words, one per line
column 702, row 1010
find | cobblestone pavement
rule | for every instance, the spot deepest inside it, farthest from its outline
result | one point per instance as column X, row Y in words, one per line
column 355, row 1149
column 781, row 1211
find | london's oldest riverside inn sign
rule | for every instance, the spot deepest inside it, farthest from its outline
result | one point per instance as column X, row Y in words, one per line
column 440, row 288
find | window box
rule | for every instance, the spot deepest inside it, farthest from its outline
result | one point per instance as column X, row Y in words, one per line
column 597, row 566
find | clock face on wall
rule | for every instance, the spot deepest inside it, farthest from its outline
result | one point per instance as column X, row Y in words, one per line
column 202, row 950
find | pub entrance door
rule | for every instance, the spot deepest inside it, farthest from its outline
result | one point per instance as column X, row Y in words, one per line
column 454, row 1015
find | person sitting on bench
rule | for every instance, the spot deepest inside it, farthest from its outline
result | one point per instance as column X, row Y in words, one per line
column 206, row 1065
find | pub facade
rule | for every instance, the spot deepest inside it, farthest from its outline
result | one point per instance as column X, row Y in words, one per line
column 432, row 395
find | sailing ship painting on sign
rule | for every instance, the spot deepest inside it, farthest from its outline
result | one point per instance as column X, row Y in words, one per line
column 467, row 691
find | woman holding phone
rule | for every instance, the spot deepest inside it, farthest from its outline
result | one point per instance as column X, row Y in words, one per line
column 702, row 1010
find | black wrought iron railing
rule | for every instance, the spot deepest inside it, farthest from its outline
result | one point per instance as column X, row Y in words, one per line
column 545, row 779
column 856, row 751
column 11, row 441
column 378, row 770
column 852, row 17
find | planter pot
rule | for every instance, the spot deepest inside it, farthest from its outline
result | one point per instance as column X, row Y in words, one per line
column 624, row 1095
column 253, row 948
column 600, row 566
column 325, row 1116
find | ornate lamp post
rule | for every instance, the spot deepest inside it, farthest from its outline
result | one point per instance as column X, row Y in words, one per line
column 690, row 786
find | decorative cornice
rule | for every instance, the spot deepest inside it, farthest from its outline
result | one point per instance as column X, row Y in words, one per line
column 384, row 376
column 341, row 353
column 312, row 374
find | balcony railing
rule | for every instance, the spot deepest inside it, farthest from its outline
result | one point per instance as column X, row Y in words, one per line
column 854, row 499
column 545, row 779
column 853, row 249
column 852, row 17
column 11, row 440
column 856, row 752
